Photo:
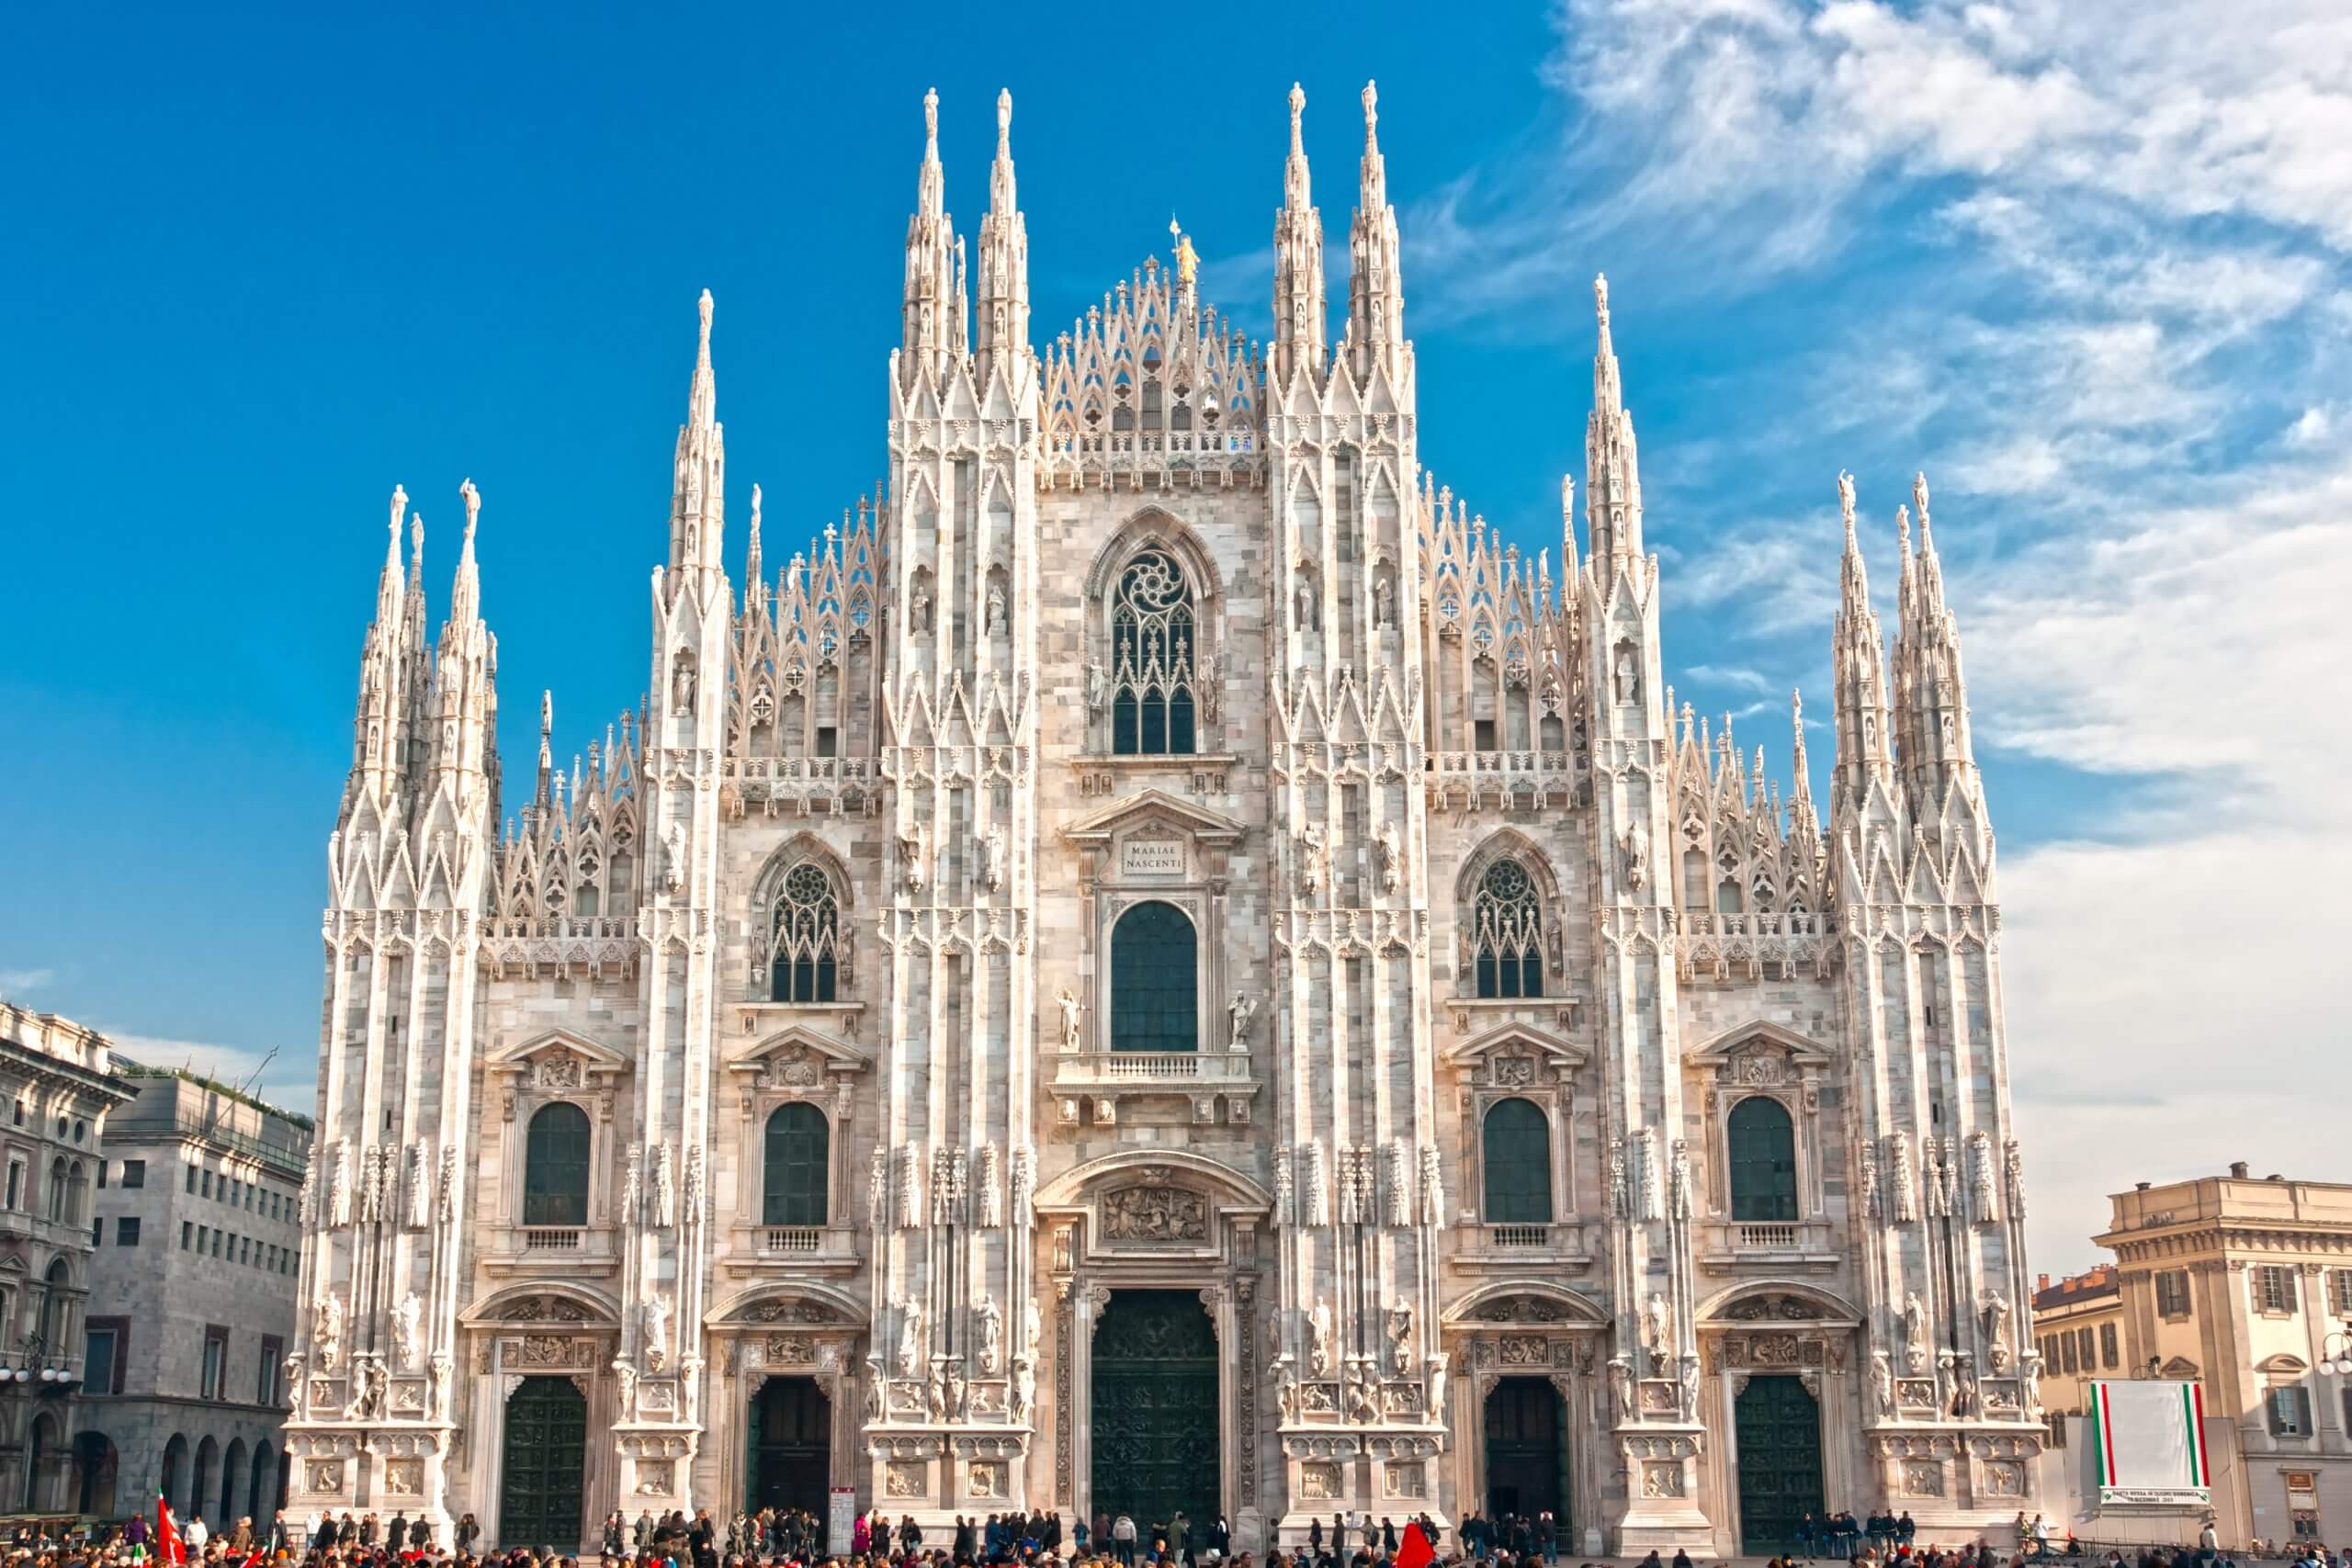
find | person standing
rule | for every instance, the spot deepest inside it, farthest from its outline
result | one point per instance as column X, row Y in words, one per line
column 1123, row 1540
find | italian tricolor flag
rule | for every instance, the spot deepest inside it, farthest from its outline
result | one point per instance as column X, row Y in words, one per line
column 2149, row 1435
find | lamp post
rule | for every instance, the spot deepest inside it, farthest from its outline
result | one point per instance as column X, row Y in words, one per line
column 2336, row 1352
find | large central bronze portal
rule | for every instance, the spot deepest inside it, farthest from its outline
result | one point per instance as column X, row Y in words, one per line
column 1154, row 1421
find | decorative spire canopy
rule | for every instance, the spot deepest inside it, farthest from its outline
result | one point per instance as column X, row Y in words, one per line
column 1375, row 288
column 933, row 327
column 1865, row 747
column 1004, row 258
column 697, row 495
column 1299, row 261
column 1612, row 485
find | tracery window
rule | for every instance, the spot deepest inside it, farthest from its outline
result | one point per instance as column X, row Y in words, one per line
column 808, row 945
column 1517, row 1152
column 797, row 1158
column 1155, row 965
column 1154, row 639
column 1763, row 1147
column 555, row 1165
column 1506, row 932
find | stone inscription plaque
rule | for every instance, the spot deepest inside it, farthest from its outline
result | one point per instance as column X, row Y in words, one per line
column 1152, row 857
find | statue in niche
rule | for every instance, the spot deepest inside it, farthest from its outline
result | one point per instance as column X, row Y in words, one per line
column 993, row 854
column 326, row 1329
column 1098, row 686
column 665, row 1187
column 682, row 687
column 919, row 608
column 1678, row 1179
column 1286, row 1388
column 1914, row 1333
column 1688, row 1388
column 408, row 1325
column 1384, row 602
column 1659, row 1328
column 1308, row 607
column 1024, row 1389
column 1385, row 849
column 909, row 1338
column 1318, row 1336
column 673, row 858
column 1996, row 1328
column 988, row 1328
column 1882, row 1384
column 1638, row 856
column 995, row 622
column 1073, row 1013
column 913, row 845
column 936, row 1391
column 1628, row 679
column 657, row 1330
column 369, row 1406
column 1238, row 1011
column 1311, row 857
column 625, row 1385
column 1620, row 1387
column 1400, row 1336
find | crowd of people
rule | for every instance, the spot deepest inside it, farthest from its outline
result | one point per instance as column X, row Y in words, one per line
column 790, row 1538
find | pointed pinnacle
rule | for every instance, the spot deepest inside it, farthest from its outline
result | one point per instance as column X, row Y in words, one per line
column 1371, row 117
column 473, row 511
column 400, row 510
column 547, row 714
column 1298, row 106
column 1004, row 122
column 1600, row 297
column 931, row 126
column 1846, row 505
column 702, row 350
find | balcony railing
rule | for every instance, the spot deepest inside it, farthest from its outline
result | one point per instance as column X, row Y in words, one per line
column 1083, row 1068
column 1766, row 1238
column 793, row 1239
column 553, row 1238
column 1518, row 1236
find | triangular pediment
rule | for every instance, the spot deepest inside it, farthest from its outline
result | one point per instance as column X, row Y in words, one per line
column 1733, row 1041
column 598, row 1056
column 1154, row 805
column 821, row 1053
column 1516, row 1039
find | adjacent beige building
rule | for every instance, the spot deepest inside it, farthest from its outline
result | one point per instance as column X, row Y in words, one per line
column 2079, row 1326
column 2245, row 1283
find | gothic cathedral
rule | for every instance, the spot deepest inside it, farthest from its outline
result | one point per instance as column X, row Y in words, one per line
column 1162, row 966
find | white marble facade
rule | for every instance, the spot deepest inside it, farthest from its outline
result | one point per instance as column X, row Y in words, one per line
column 898, row 785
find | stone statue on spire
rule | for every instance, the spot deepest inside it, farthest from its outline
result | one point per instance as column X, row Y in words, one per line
column 1188, row 261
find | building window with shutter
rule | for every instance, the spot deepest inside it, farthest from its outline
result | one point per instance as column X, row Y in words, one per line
column 2066, row 1344
column 2110, row 1356
column 2085, row 1342
column 2339, row 1289
column 2289, row 1410
column 2172, row 1293
column 2274, row 1289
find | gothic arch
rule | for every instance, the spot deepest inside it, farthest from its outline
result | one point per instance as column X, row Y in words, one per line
column 1153, row 617
column 801, row 846
column 1827, row 1306
column 1577, row 1309
column 823, row 948
column 1508, row 843
column 1154, row 527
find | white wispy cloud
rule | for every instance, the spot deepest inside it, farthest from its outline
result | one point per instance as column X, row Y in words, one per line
column 17, row 982
column 2120, row 338
column 287, row 1078
column 1738, row 677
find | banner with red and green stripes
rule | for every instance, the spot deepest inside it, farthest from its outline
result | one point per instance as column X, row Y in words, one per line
column 2148, row 1441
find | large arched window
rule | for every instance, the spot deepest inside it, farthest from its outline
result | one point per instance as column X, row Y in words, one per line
column 806, row 959
column 1763, row 1162
column 1155, row 1000
column 554, row 1166
column 1506, row 932
column 1517, row 1148
column 792, row 1191
column 1154, row 640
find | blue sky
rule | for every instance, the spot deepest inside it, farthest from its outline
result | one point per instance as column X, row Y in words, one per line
column 2086, row 265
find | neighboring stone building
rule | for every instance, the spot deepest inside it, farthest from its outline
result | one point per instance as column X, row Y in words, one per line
column 2079, row 1326
column 2246, row 1285
column 200, row 1241
column 56, row 1080
column 1162, row 965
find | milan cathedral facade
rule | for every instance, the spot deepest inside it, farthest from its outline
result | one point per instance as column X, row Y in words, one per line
column 1162, row 966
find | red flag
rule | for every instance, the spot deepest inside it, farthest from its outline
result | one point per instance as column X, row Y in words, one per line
column 254, row 1559
column 1414, row 1551
column 169, row 1548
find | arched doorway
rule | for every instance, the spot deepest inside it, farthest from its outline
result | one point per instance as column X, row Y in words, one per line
column 96, row 1466
column 1154, row 1415
column 545, row 1465
column 790, row 1436
column 208, row 1473
column 262, row 1493
column 233, row 1485
column 41, row 1464
column 1776, row 1423
column 1527, row 1452
column 175, row 1474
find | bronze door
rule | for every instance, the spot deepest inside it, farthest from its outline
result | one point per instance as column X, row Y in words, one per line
column 1155, row 1409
